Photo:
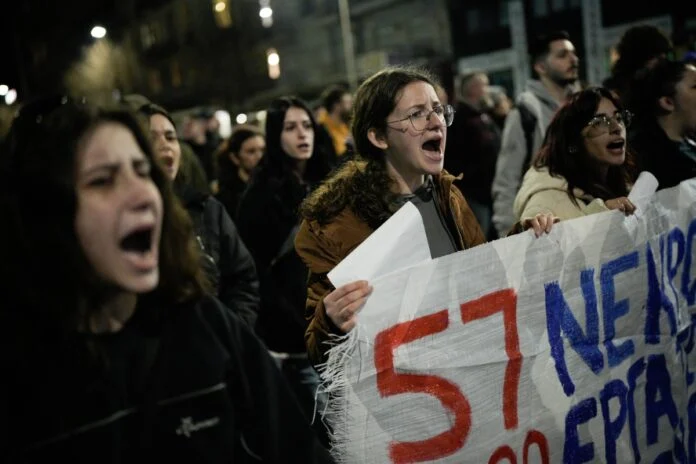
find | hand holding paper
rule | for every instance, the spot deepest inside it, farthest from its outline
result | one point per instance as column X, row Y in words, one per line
column 343, row 303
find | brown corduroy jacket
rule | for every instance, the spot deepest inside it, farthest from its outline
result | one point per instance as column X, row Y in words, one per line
column 323, row 246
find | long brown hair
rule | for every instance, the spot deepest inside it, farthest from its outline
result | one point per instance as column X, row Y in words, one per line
column 46, row 279
column 563, row 151
column 365, row 185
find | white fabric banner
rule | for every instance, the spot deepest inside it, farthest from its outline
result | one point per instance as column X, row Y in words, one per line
column 574, row 347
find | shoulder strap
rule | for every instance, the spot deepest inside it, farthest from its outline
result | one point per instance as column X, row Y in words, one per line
column 529, row 122
column 288, row 244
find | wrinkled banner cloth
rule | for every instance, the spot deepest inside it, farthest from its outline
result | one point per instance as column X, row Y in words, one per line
column 577, row 346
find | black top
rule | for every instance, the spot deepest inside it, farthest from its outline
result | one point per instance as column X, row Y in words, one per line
column 268, row 218
column 669, row 161
column 198, row 387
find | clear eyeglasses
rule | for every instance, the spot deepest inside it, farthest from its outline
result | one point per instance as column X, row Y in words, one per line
column 603, row 123
column 420, row 118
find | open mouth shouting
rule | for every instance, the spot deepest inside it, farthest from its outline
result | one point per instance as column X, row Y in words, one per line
column 617, row 147
column 433, row 148
column 139, row 245
column 166, row 160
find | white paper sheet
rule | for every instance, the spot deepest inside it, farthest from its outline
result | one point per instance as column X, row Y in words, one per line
column 399, row 243
column 645, row 185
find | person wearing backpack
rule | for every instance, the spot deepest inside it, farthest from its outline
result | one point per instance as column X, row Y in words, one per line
column 555, row 65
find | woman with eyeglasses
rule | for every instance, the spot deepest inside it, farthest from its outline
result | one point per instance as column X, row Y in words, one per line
column 112, row 347
column 584, row 165
column 400, row 129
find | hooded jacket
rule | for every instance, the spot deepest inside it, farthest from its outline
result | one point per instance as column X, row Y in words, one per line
column 513, row 151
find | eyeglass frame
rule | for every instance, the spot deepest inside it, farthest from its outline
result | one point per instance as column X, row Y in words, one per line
column 445, row 110
column 607, row 121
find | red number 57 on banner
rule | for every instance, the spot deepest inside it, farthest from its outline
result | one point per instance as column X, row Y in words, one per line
column 390, row 382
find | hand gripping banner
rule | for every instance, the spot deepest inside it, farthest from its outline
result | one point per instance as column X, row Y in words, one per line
column 574, row 347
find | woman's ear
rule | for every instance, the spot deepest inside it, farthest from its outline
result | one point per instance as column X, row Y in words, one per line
column 377, row 138
column 666, row 103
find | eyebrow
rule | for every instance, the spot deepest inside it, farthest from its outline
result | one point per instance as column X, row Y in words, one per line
column 165, row 131
column 436, row 103
column 112, row 167
column 605, row 114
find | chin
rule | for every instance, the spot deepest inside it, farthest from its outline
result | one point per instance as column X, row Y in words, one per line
column 434, row 169
column 143, row 283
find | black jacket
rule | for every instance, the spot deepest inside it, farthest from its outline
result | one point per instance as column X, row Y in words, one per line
column 473, row 143
column 228, row 263
column 209, row 394
column 267, row 219
column 663, row 157
column 231, row 190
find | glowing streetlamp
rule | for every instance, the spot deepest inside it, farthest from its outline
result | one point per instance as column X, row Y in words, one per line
column 273, row 60
column 11, row 96
column 266, row 13
column 3, row 90
column 98, row 32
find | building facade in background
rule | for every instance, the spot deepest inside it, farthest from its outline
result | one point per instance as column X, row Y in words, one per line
column 493, row 36
column 239, row 54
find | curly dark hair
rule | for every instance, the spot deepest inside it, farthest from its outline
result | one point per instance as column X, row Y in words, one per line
column 364, row 185
column 643, row 97
column 639, row 45
column 46, row 280
column 564, row 154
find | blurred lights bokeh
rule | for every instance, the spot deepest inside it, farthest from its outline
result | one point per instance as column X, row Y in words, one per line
column 98, row 32
column 11, row 96
column 241, row 118
column 3, row 90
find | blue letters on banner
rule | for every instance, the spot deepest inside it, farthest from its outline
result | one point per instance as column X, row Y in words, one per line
column 612, row 310
column 559, row 317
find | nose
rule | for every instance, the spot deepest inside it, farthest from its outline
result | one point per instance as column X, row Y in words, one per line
column 159, row 143
column 436, row 121
column 142, row 195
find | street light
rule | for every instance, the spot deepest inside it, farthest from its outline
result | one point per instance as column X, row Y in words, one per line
column 266, row 13
column 11, row 96
column 3, row 90
column 220, row 7
column 241, row 118
column 98, row 32
column 273, row 60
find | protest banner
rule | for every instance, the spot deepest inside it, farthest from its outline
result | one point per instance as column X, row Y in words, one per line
column 574, row 347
